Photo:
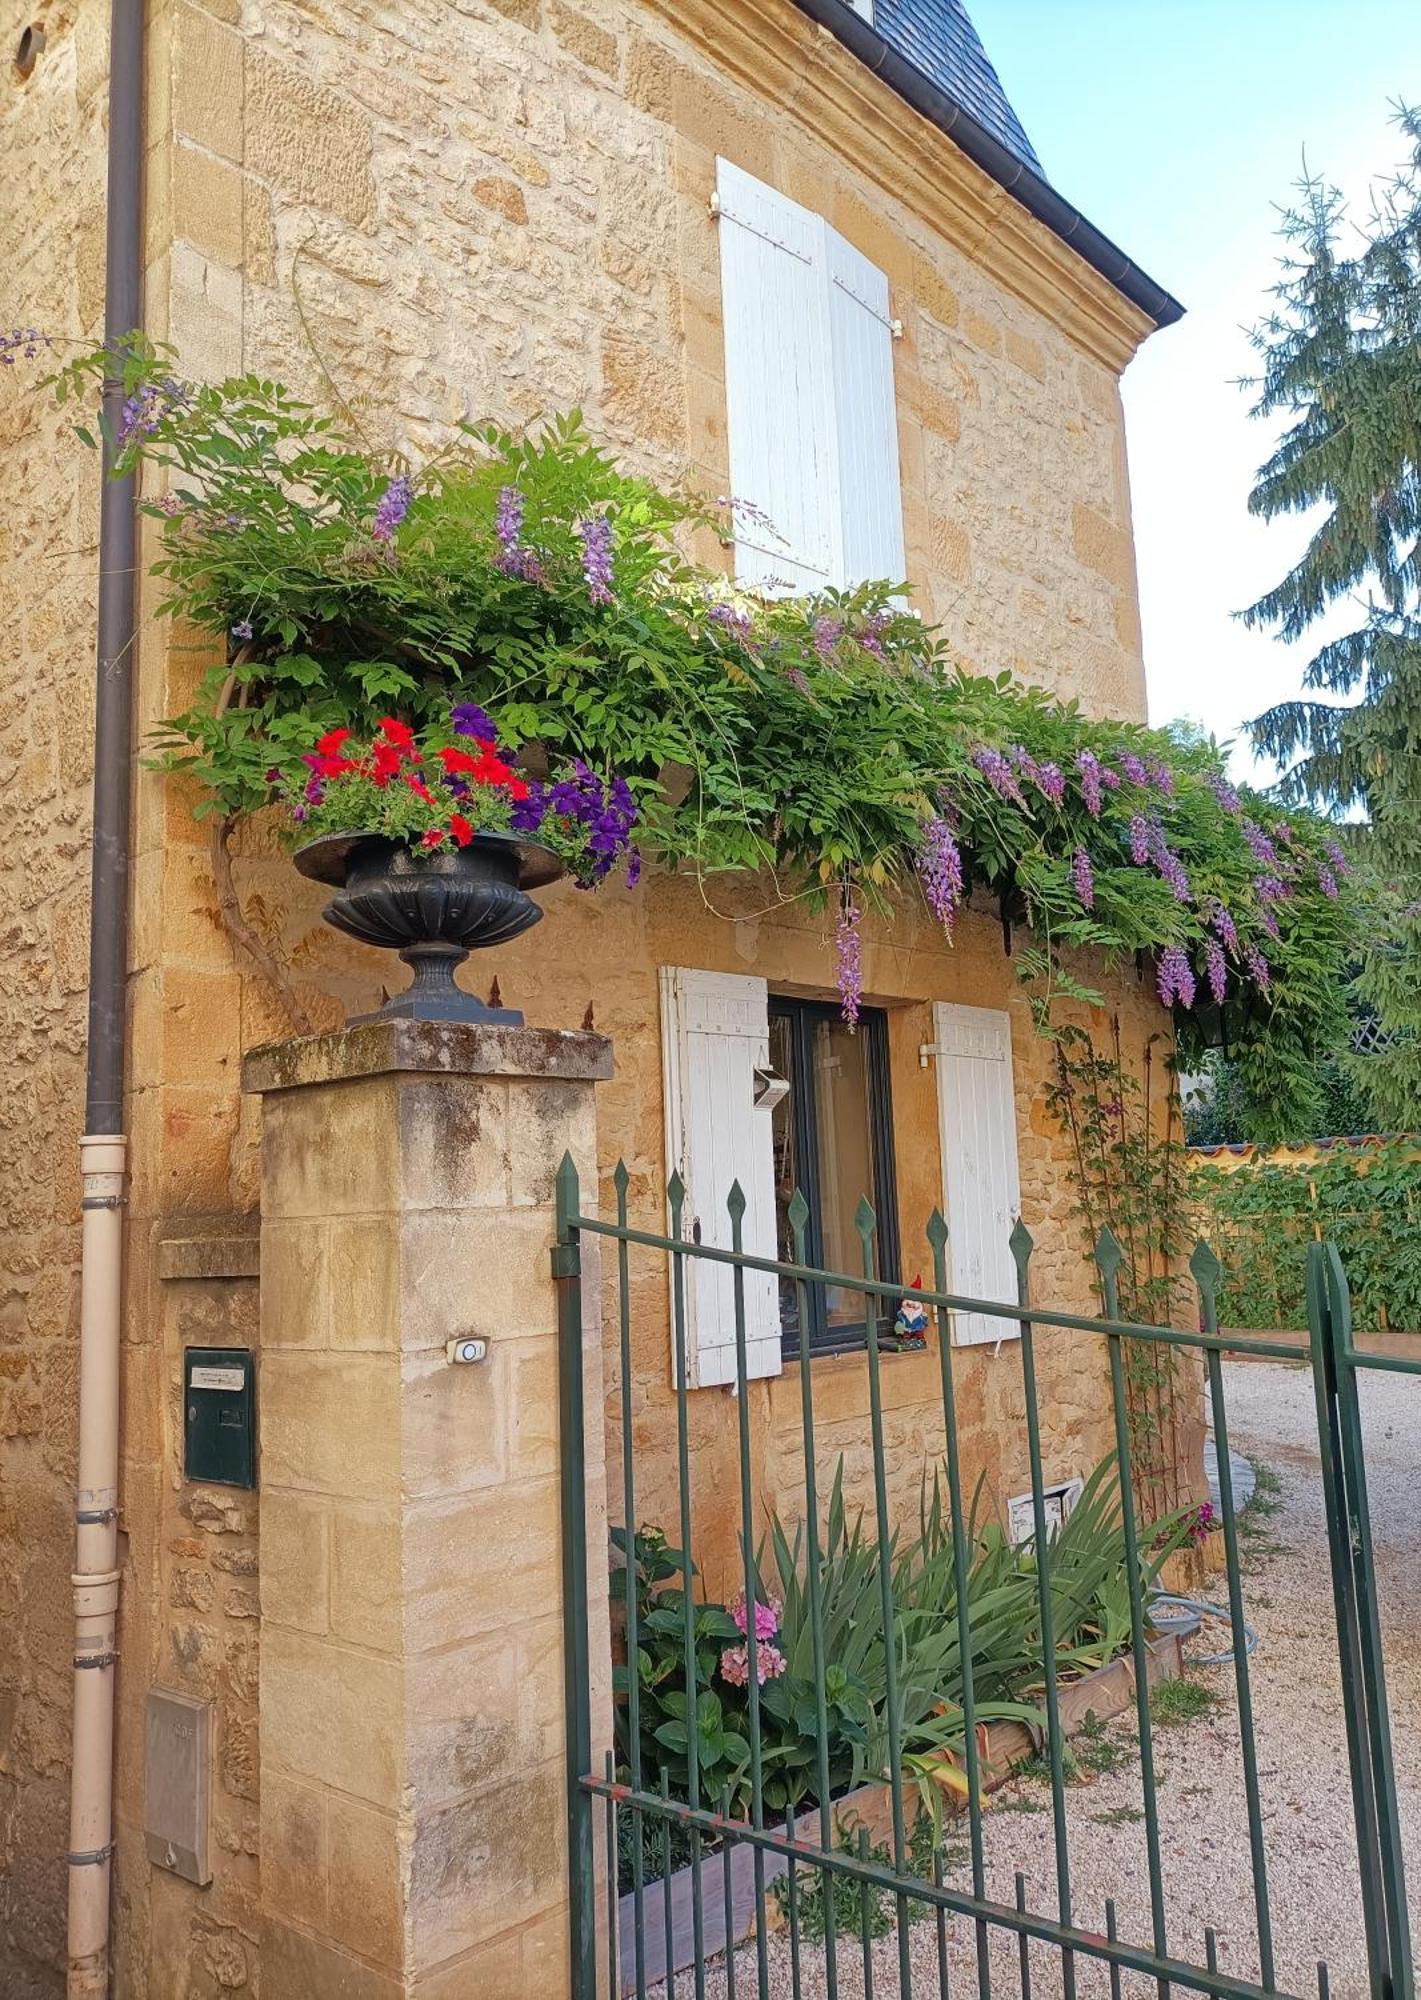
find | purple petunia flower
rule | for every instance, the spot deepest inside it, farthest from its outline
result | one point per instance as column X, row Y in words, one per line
column 633, row 867
column 1176, row 977
column 471, row 720
column 940, row 871
column 1216, row 967
column 1083, row 876
column 1258, row 967
column 1088, row 764
column 997, row 770
column 595, row 531
column 394, row 505
column 1224, row 792
column 848, row 953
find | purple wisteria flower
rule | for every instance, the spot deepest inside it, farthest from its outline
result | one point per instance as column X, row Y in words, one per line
column 1216, row 968
column 1170, row 866
column 1160, row 776
column 870, row 635
column 940, row 871
column 471, row 720
column 997, row 770
column 1224, row 924
column 515, row 558
column 848, row 954
column 143, row 411
column 1176, row 977
column 1023, row 763
column 595, row 531
column 1088, row 764
column 731, row 618
column 242, row 631
column 1327, row 882
column 1337, row 857
column 1270, row 889
column 1259, row 845
column 26, row 340
column 1134, row 768
column 1269, row 921
column 1110, row 778
column 1051, row 782
column 1259, row 969
column 1224, row 792
column 826, row 634
column 1140, row 839
column 1083, row 877
column 394, row 505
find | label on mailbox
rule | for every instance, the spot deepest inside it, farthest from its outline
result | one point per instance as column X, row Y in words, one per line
column 218, row 1378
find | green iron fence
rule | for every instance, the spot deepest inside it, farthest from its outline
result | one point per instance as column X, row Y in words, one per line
column 792, row 1860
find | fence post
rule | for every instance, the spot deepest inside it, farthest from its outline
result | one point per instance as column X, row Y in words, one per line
column 412, row 1677
column 1369, row 1638
column 582, row 1873
column 1322, row 1334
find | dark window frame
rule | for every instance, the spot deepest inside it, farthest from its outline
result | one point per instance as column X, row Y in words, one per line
column 801, row 1017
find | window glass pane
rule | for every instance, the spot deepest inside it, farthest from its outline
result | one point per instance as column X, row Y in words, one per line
column 839, row 1064
column 788, row 1171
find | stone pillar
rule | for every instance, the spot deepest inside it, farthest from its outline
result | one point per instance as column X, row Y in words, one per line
column 413, row 1782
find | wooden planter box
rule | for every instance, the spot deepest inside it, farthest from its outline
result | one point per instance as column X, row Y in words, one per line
column 1003, row 1746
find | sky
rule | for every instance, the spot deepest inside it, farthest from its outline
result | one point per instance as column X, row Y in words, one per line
column 1179, row 127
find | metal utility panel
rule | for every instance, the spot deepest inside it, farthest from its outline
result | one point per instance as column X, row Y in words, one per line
column 220, row 1416
column 179, row 1795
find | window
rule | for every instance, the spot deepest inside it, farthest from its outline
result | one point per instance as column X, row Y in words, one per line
column 809, row 396
column 833, row 1139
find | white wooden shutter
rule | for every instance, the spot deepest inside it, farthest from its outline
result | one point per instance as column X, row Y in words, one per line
column 714, row 1034
column 981, row 1186
column 778, row 385
column 809, row 395
column 866, row 414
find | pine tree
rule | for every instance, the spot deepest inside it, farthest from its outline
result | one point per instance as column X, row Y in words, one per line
column 1342, row 359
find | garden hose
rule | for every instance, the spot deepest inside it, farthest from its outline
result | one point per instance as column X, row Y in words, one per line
column 1204, row 1610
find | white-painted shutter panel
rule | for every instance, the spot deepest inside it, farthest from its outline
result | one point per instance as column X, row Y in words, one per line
column 866, row 414
column 981, row 1185
column 715, row 1034
column 778, row 385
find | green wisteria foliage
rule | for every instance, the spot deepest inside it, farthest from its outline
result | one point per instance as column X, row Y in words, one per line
column 828, row 742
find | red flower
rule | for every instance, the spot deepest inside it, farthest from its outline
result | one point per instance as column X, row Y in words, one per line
column 490, row 770
column 517, row 788
column 398, row 733
column 461, row 829
column 329, row 744
column 457, row 761
column 433, row 838
column 419, row 788
column 387, row 764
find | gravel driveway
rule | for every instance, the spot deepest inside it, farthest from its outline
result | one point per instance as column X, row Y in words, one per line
column 1302, row 1754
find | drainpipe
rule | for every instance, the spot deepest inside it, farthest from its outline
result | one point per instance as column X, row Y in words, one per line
column 103, row 1148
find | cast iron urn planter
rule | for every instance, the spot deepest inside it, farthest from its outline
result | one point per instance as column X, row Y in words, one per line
column 433, row 908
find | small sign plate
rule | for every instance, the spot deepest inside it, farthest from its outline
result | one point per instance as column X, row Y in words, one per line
column 217, row 1378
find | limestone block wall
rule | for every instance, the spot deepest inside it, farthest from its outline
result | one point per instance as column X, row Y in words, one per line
column 439, row 213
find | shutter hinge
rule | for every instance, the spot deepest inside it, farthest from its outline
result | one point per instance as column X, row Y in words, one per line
column 714, row 205
column 895, row 327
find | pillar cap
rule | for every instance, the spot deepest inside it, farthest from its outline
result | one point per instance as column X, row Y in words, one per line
column 428, row 1048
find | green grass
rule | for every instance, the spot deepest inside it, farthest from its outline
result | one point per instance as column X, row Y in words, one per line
column 1118, row 1816
column 1091, row 1754
column 1173, row 1702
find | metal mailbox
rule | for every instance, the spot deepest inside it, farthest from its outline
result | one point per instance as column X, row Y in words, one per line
column 220, row 1416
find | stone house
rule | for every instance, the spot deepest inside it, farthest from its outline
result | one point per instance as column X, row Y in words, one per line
column 804, row 249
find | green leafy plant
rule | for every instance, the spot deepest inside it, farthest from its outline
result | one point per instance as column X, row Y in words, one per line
column 1261, row 1214
column 829, row 741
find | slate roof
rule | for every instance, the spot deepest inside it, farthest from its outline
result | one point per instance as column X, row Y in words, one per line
column 939, row 39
